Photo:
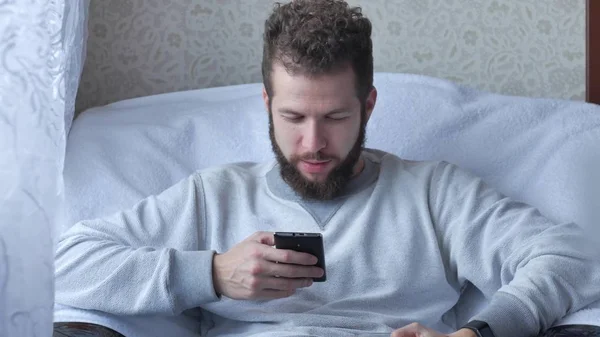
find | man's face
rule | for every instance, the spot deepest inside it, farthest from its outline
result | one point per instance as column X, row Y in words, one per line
column 317, row 127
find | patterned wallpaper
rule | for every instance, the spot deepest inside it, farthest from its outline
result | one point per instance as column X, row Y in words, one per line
column 518, row 47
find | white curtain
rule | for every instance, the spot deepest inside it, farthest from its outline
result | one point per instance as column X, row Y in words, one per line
column 42, row 46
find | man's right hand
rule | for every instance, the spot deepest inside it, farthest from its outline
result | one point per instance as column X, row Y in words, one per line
column 255, row 270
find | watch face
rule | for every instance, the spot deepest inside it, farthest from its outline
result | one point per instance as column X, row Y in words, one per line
column 481, row 328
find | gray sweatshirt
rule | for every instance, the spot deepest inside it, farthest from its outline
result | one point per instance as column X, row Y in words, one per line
column 400, row 244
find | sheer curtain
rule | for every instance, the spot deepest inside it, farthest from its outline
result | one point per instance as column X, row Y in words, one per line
column 42, row 45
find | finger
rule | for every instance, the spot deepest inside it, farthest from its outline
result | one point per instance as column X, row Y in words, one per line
column 266, row 238
column 285, row 284
column 292, row 270
column 289, row 256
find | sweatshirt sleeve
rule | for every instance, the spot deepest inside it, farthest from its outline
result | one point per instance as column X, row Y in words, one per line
column 146, row 260
column 533, row 271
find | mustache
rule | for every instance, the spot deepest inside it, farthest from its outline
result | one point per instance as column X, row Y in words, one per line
column 315, row 156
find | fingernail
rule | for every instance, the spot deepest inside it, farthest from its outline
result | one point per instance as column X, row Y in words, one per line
column 308, row 283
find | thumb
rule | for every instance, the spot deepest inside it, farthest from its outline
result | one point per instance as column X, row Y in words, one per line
column 266, row 238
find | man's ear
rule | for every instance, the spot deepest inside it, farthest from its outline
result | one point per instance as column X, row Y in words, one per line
column 370, row 103
column 265, row 98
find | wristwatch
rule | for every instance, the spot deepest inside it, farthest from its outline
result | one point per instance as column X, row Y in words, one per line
column 481, row 329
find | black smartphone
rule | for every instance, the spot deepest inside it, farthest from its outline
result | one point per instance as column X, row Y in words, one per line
column 311, row 243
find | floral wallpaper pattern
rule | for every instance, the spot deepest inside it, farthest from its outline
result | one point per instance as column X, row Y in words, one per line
column 516, row 47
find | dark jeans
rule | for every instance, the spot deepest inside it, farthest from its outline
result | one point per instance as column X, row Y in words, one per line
column 71, row 329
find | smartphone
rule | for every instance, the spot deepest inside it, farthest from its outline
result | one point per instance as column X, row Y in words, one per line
column 311, row 243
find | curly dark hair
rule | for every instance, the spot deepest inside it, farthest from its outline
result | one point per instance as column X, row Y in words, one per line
column 314, row 37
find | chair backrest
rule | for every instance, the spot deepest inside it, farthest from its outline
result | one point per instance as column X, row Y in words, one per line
column 544, row 152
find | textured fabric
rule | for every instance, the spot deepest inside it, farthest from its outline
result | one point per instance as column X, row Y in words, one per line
column 520, row 47
column 397, row 251
column 73, row 39
column 39, row 75
column 590, row 315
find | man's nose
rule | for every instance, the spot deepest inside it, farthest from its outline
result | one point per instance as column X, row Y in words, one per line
column 313, row 139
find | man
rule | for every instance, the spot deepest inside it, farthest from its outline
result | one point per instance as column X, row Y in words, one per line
column 402, row 238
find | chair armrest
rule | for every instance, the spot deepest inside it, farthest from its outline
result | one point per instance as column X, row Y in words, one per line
column 573, row 330
column 80, row 329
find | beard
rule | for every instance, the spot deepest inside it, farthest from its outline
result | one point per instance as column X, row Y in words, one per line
column 336, row 180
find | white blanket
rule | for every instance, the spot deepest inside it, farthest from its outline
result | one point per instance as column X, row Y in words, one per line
column 543, row 152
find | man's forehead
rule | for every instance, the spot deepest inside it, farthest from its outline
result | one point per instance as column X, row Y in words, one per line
column 314, row 103
column 337, row 86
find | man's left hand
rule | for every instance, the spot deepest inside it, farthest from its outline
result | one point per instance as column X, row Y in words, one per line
column 417, row 330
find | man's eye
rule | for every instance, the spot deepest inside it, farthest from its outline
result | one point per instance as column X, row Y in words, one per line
column 337, row 117
column 293, row 118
